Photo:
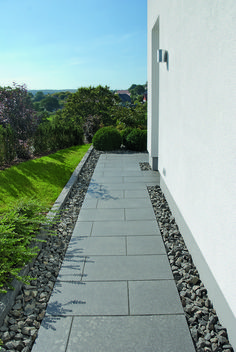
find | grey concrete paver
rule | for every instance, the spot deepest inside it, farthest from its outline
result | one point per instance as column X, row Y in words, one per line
column 125, row 203
column 154, row 297
column 96, row 246
column 53, row 334
column 124, row 186
column 139, row 267
column 103, row 180
column 88, row 298
column 136, row 193
column 101, row 214
column 127, row 228
column 140, row 214
column 143, row 245
column 71, row 269
column 162, row 333
column 82, row 228
column 115, row 290
column 104, row 194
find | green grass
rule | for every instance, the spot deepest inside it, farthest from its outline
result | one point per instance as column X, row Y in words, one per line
column 42, row 179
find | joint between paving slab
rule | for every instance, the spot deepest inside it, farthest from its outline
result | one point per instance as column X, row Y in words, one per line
column 128, row 298
column 82, row 274
column 68, row 339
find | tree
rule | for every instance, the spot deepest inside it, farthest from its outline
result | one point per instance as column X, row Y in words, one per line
column 137, row 91
column 92, row 101
column 50, row 103
column 16, row 110
column 39, row 96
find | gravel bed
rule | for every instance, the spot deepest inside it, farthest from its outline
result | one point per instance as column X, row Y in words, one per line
column 21, row 325
column 207, row 332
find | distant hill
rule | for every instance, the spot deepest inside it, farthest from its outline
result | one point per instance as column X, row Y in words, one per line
column 51, row 91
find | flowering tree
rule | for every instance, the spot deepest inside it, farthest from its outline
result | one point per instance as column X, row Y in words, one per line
column 16, row 110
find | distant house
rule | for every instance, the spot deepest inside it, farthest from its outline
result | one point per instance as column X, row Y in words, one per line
column 145, row 97
column 124, row 96
column 191, row 134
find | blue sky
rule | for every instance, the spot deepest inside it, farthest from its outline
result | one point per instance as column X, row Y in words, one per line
column 63, row 44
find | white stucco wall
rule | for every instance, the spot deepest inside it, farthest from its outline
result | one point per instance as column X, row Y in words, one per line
column 197, row 125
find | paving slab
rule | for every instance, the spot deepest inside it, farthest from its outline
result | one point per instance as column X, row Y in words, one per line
column 140, row 214
column 112, row 179
column 136, row 193
column 88, row 298
column 123, row 186
column 145, row 179
column 125, row 228
column 83, row 228
column 143, row 245
column 71, row 269
column 53, row 334
column 96, row 246
column 101, row 214
column 124, row 203
column 105, row 194
column 90, row 203
column 163, row 333
column 154, row 297
column 108, row 268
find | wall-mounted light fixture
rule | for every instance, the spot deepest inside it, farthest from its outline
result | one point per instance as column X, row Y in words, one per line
column 162, row 55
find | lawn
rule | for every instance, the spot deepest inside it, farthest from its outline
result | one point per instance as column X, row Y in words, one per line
column 25, row 191
column 42, row 179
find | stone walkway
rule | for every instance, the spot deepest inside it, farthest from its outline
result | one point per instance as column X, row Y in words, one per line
column 115, row 290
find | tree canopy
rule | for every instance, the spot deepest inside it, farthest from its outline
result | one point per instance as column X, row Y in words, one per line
column 92, row 101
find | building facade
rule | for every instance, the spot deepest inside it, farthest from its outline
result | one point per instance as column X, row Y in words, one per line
column 191, row 134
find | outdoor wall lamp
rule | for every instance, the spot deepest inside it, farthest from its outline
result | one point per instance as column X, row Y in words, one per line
column 162, row 55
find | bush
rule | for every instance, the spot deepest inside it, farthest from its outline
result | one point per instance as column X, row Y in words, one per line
column 137, row 140
column 107, row 138
column 57, row 134
column 124, row 135
column 18, row 229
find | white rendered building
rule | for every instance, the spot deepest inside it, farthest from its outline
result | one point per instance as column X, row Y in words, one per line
column 192, row 134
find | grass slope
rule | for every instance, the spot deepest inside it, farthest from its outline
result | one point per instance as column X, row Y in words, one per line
column 42, row 179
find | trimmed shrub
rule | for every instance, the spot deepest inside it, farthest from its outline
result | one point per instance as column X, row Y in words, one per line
column 107, row 138
column 137, row 140
column 124, row 135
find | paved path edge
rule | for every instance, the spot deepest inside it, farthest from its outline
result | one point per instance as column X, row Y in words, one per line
column 7, row 299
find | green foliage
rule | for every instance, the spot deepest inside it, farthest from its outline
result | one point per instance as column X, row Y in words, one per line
column 50, row 103
column 92, row 101
column 17, row 111
column 91, row 126
column 7, row 144
column 137, row 91
column 39, row 96
column 18, row 228
column 133, row 116
column 107, row 138
column 57, row 133
column 137, row 140
column 124, row 134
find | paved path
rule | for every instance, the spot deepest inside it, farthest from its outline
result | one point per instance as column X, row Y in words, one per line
column 115, row 291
